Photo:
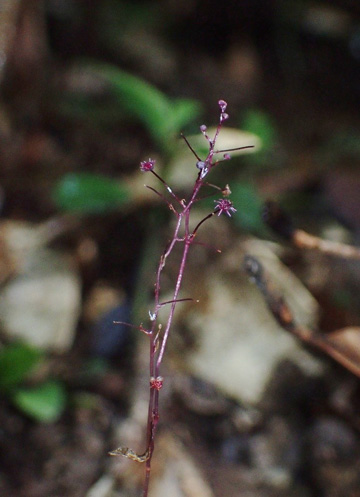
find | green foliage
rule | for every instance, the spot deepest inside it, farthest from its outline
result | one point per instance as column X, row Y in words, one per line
column 260, row 124
column 249, row 205
column 44, row 403
column 132, row 99
column 89, row 193
column 162, row 117
column 16, row 362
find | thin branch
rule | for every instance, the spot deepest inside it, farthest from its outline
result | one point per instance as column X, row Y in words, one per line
column 281, row 223
column 201, row 222
column 189, row 146
column 304, row 240
column 283, row 315
column 167, row 187
column 176, row 301
column 169, row 204
column 213, row 186
column 206, row 245
column 234, row 149
column 129, row 325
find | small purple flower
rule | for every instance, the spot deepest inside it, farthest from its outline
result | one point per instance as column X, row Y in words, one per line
column 147, row 165
column 224, row 205
column 222, row 105
column 223, row 117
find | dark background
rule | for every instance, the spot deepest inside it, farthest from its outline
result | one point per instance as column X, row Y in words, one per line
column 292, row 65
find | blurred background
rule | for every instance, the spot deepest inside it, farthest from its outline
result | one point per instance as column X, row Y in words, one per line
column 87, row 91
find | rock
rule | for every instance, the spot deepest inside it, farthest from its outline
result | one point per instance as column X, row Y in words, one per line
column 180, row 476
column 104, row 487
column 41, row 303
column 238, row 342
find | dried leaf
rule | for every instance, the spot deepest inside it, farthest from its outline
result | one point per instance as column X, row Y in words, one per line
column 344, row 346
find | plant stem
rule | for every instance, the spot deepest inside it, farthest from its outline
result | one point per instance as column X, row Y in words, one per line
column 157, row 351
column 157, row 339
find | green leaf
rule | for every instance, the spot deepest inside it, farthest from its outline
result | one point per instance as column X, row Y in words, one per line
column 162, row 117
column 16, row 362
column 258, row 122
column 184, row 112
column 89, row 193
column 249, row 206
column 44, row 403
column 263, row 126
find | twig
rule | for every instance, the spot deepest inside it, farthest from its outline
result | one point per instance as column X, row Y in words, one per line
column 281, row 223
column 283, row 315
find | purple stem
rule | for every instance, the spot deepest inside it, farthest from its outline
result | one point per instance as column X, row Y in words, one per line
column 156, row 356
column 157, row 351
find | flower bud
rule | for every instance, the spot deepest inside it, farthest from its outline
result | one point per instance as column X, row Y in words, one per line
column 147, row 165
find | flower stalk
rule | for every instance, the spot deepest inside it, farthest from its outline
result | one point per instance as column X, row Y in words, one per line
column 158, row 335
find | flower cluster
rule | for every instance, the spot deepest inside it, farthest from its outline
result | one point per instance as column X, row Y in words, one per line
column 147, row 165
column 224, row 205
column 223, row 116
